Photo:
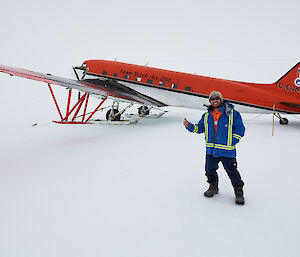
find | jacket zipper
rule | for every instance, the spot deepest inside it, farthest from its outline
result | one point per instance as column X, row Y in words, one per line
column 214, row 133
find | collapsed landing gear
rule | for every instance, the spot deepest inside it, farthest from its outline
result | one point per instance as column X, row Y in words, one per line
column 143, row 110
column 283, row 121
column 113, row 115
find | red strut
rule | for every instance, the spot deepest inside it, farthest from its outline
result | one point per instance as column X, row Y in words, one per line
column 55, row 102
column 96, row 109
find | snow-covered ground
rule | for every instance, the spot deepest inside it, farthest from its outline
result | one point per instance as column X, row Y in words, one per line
column 137, row 191
column 103, row 190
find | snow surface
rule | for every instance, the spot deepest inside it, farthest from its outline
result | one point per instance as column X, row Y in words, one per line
column 102, row 190
column 137, row 190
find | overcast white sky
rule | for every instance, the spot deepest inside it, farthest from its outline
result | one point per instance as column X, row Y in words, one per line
column 230, row 39
column 138, row 190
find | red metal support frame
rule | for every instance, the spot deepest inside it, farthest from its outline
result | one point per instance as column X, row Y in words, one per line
column 79, row 104
column 85, row 107
column 68, row 105
column 54, row 99
column 79, row 107
column 95, row 110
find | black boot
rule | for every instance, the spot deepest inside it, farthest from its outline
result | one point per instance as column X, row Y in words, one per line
column 239, row 195
column 212, row 190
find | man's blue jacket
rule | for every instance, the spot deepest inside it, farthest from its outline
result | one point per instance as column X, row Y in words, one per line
column 230, row 130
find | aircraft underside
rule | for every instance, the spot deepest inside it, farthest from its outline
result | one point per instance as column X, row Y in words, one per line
column 194, row 101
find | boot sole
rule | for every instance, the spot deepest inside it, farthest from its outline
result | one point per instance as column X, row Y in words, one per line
column 240, row 203
column 211, row 195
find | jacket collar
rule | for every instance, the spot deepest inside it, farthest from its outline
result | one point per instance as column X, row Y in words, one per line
column 225, row 108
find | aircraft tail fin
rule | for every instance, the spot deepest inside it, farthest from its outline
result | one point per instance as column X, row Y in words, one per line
column 291, row 80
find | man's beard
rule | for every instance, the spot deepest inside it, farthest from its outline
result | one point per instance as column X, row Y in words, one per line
column 217, row 106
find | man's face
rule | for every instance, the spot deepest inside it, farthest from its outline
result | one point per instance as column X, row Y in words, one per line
column 215, row 102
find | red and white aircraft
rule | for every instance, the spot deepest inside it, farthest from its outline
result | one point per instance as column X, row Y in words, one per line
column 152, row 87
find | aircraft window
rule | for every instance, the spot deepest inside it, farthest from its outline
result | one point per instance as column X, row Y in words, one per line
column 138, row 79
column 104, row 72
column 149, row 81
column 174, row 86
column 116, row 74
column 161, row 83
column 126, row 76
column 188, row 88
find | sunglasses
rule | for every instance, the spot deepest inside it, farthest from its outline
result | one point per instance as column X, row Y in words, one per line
column 214, row 98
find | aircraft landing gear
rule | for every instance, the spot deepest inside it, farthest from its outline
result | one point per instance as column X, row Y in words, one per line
column 283, row 121
column 114, row 114
column 143, row 110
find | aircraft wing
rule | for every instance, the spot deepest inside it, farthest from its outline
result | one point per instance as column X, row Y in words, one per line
column 106, row 88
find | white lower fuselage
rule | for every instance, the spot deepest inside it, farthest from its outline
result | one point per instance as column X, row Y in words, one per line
column 179, row 99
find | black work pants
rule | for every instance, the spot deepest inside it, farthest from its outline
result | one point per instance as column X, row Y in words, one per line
column 229, row 164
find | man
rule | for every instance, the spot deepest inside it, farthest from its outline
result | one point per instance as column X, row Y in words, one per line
column 223, row 128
